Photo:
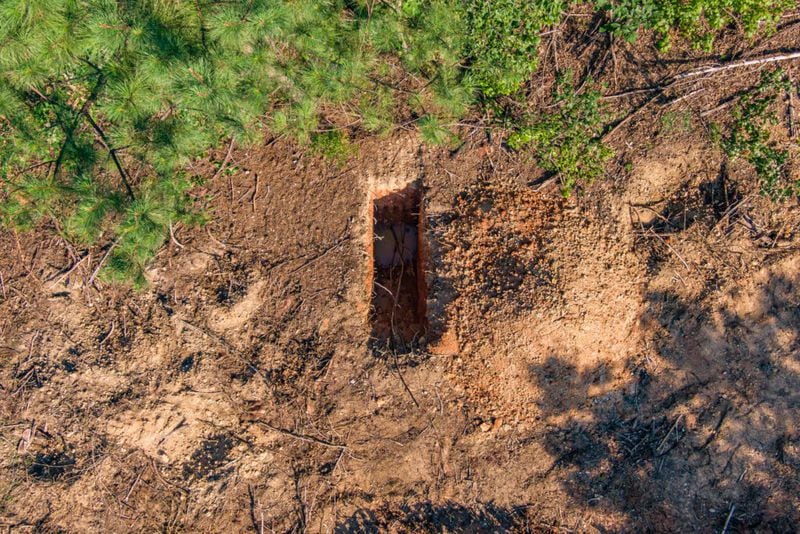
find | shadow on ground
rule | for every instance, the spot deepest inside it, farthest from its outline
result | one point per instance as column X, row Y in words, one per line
column 701, row 436
column 427, row 517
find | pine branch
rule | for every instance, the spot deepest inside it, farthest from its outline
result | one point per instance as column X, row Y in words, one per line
column 71, row 130
column 202, row 24
column 104, row 140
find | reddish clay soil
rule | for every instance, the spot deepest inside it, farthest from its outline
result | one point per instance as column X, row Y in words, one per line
column 627, row 359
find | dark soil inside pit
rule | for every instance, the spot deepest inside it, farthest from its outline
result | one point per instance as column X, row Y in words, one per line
column 398, row 303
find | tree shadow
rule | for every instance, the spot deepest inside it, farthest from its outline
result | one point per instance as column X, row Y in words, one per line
column 713, row 203
column 427, row 517
column 700, row 434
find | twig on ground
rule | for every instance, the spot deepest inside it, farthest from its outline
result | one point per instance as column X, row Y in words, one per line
column 108, row 334
column 688, row 269
column 715, row 432
column 403, row 381
column 257, row 526
column 222, row 341
column 163, row 480
column 630, row 115
column 713, row 110
column 790, row 110
column 133, row 486
column 255, row 195
column 69, row 271
column 301, row 437
column 224, row 161
column 316, row 257
column 669, row 432
column 631, row 92
column 100, row 264
column 613, row 58
column 705, row 71
column 172, row 237
column 684, row 97
column 215, row 240
column 728, row 521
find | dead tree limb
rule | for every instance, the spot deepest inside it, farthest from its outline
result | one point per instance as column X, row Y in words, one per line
column 790, row 111
column 704, row 71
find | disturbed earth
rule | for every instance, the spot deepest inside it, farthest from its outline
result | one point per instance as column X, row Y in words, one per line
column 420, row 340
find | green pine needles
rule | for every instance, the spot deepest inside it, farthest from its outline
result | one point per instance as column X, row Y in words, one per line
column 103, row 103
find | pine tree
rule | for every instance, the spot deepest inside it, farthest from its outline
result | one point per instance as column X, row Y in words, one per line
column 103, row 103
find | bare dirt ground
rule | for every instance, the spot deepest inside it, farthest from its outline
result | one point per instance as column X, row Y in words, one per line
column 624, row 360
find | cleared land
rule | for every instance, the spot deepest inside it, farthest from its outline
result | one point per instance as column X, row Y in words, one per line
column 625, row 359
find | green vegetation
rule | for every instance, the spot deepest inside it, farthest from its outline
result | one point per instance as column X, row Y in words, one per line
column 103, row 103
column 504, row 38
column 333, row 145
column 698, row 20
column 568, row 141
column 750, row 138
column 676, row 122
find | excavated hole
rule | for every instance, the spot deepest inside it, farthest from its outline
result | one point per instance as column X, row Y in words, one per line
column 398, row 287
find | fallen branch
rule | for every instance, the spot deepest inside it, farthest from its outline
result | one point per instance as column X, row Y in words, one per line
column 224, row 161
column 657, row 90
column 100, row 265
column 301, row 437
column 703, row 71
column 790, row 111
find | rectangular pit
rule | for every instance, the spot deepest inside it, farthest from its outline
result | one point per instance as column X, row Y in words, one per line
column 397, row 259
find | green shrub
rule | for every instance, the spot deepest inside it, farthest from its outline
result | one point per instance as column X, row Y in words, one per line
column 333, row 145
column 504, row 38
column 749, row 136
column 699, row 20
column 568, row 141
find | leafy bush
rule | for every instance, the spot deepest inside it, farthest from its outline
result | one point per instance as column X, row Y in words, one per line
column 504, row 38
column 568, row 142
column 699, row 20
column 749, row 136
